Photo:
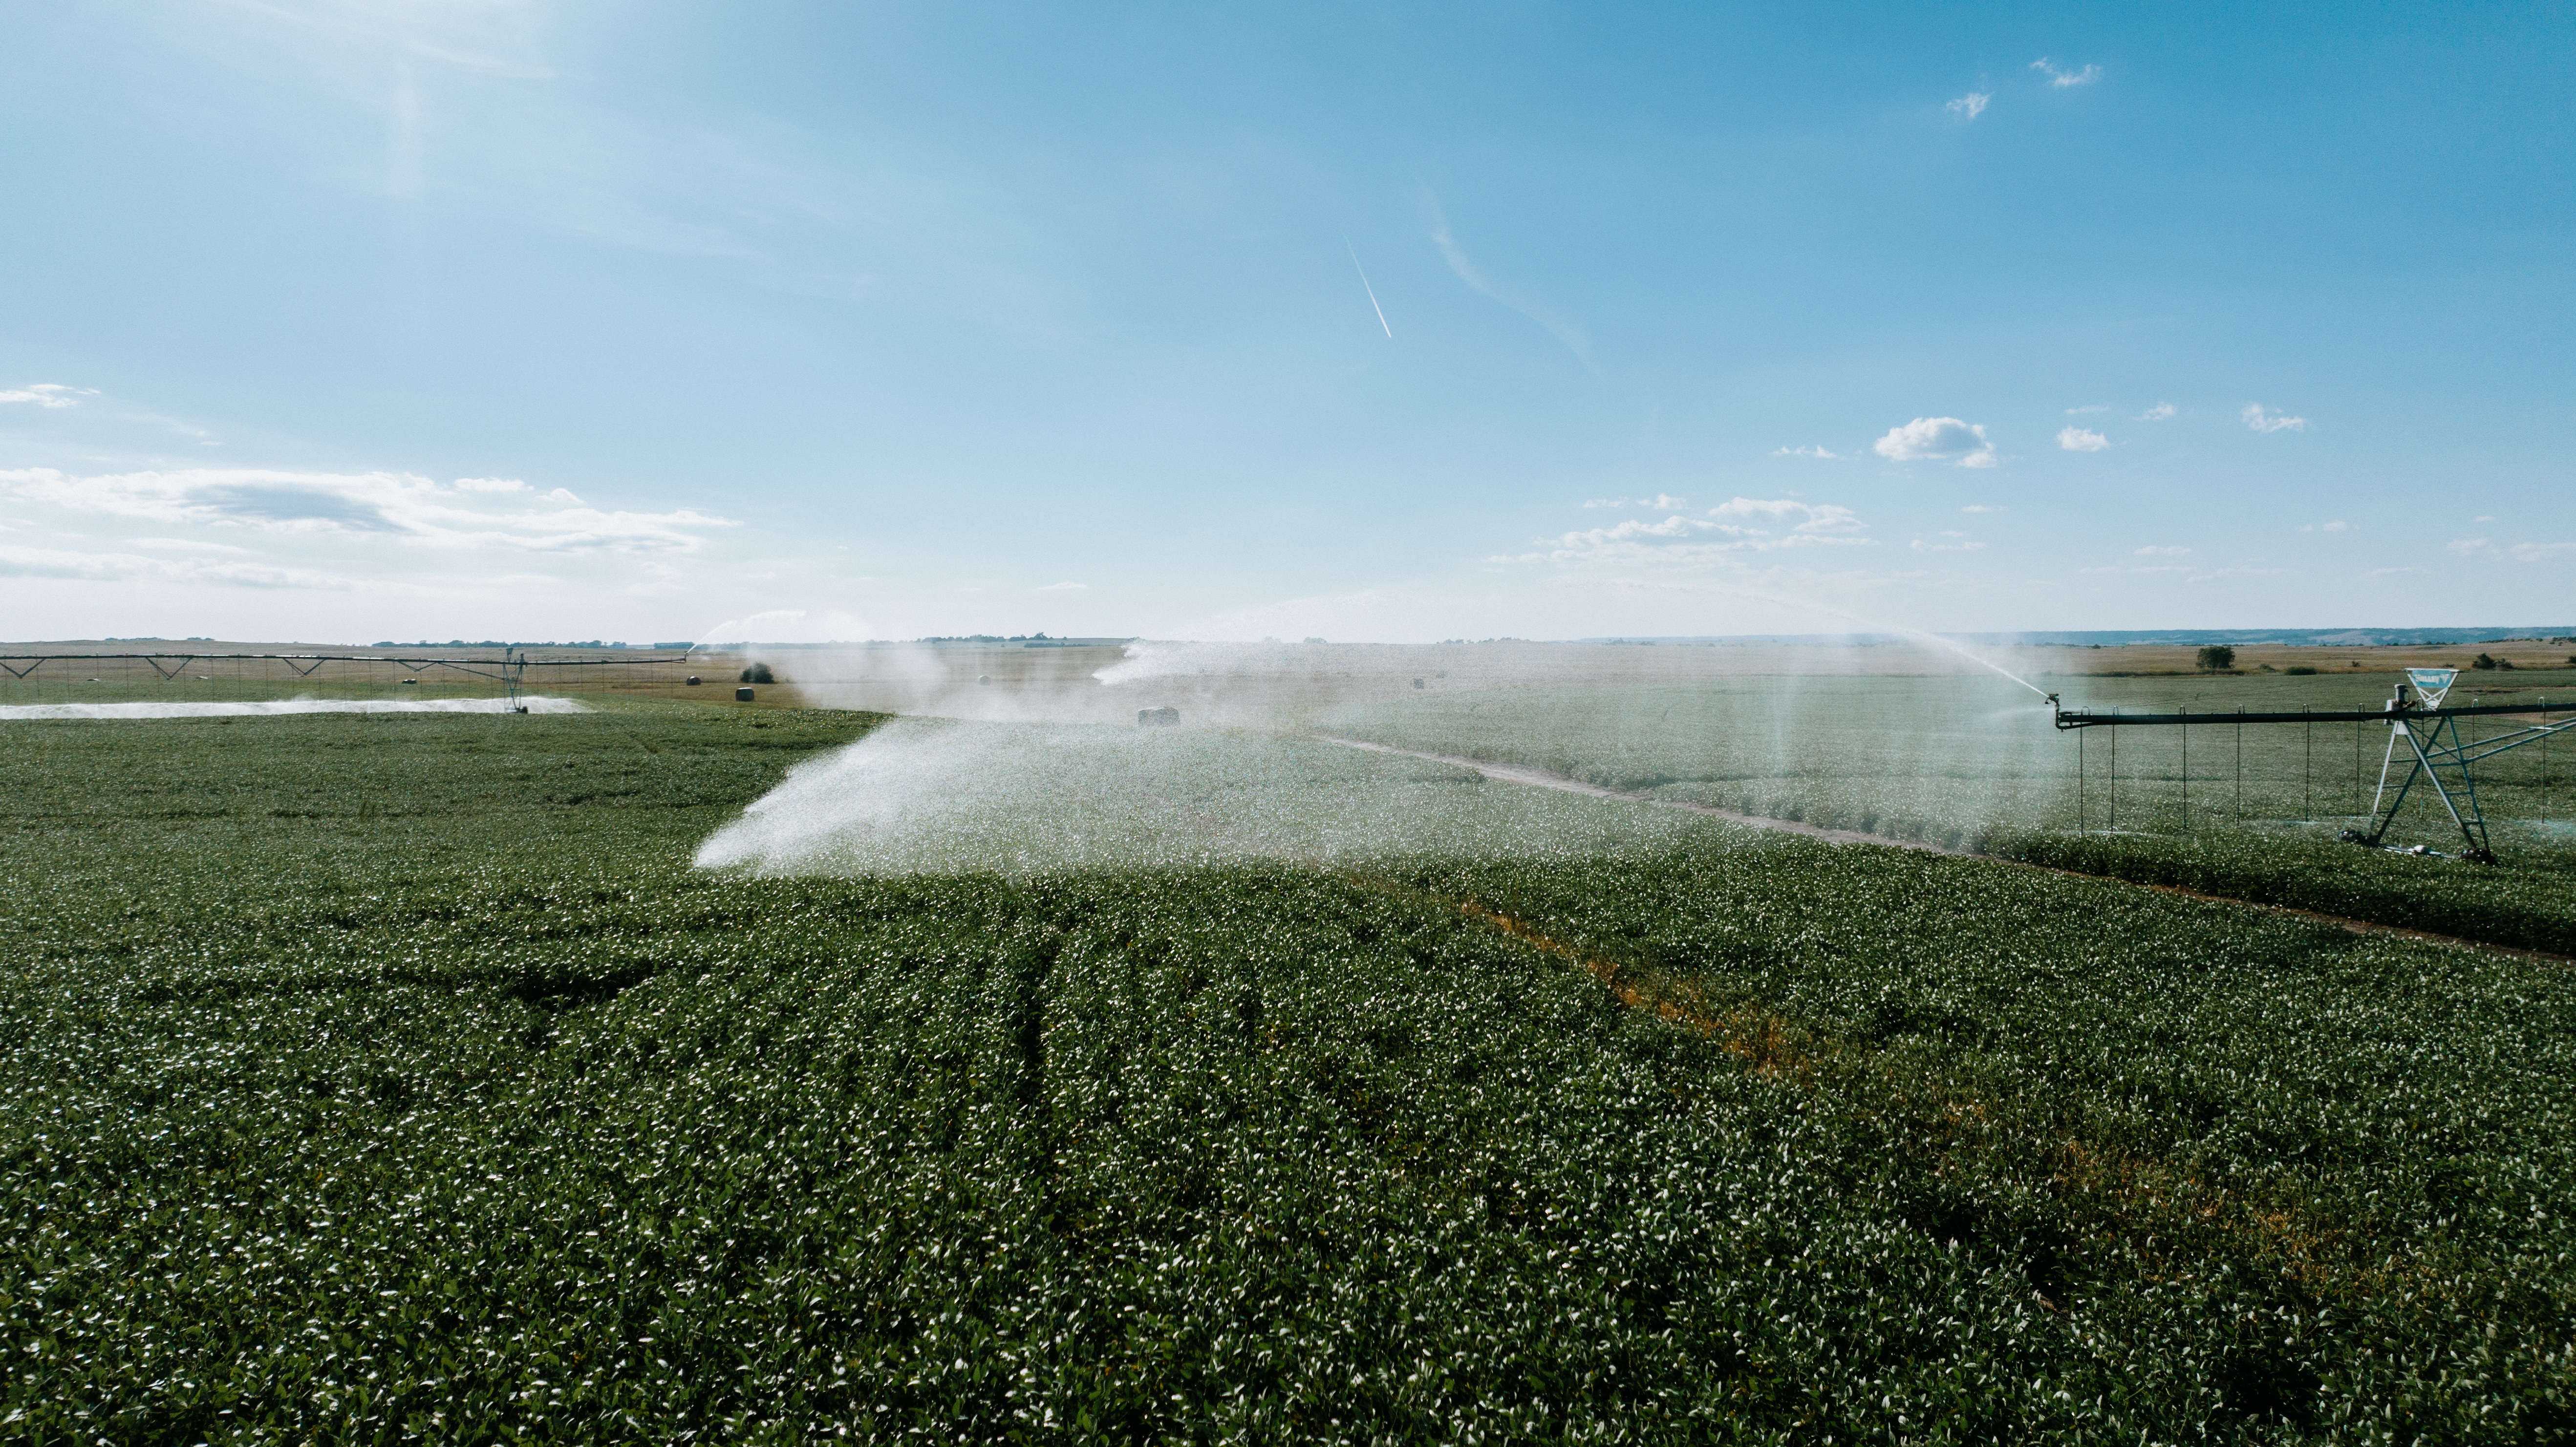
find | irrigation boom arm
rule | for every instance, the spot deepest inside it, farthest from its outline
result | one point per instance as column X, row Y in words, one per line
column 2431, row 734
column 2086, row 718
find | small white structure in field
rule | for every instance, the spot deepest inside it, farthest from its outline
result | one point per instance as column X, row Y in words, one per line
column 1154, row 717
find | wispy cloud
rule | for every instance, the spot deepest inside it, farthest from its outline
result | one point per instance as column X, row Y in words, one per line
column 1813, row 517
column 1815, row 452
column 1737, row 526
column 2161, row 412
column 2061, row 79
column 375, row 505
column 1958, row 546
column 2538, row 552
column 75, row 566
column 48, row 394
column 1937, row 439
column 2336, row 526
column 1972, row 105
column 2264, row 421
column 2087, row 411
column 2469, row 547
column 1980, row 507
column 1549, row 319
column 1066, row 588
column 2153, row 551
column 1660, row 502
column 2077, row 439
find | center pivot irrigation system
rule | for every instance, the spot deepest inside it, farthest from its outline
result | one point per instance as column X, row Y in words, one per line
column 510, row 670
column 2434, row 751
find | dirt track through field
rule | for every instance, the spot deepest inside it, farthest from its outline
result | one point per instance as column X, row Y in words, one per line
column 1541, row 779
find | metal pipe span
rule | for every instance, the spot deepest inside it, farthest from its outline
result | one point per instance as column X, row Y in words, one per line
column 2080, row 719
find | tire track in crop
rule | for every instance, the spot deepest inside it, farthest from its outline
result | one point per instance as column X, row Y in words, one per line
column 2109, row 1192
column 1542, row 779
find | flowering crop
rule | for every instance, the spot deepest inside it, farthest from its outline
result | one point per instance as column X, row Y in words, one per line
column 369, row 1079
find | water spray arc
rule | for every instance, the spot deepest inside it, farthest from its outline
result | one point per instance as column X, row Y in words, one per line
column 1868, row 624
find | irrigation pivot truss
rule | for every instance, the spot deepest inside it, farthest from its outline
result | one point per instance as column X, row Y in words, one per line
column 2416, row 718
column 510, row 670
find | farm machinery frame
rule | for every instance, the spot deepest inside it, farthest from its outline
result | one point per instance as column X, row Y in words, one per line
column 2424, row 741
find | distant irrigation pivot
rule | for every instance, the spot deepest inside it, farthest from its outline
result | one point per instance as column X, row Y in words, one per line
column 510, row 670
column 2435, row 753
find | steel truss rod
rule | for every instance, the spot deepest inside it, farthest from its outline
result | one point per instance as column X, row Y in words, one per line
column 2431, row 734
column 2085, row 719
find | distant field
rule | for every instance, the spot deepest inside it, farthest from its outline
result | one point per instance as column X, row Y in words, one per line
column 378, row 1077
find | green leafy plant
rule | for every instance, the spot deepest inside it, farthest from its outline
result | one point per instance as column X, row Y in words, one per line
column 372, row 1078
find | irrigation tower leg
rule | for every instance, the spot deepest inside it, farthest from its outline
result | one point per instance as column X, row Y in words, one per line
column 2395, row 727
column 2421, row 763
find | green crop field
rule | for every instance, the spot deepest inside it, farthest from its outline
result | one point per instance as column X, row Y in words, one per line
column 380, row 1078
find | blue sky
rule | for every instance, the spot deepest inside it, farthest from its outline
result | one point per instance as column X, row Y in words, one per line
column 337, row 321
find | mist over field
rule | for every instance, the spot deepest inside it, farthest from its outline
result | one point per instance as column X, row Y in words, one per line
column 1042, row 758
column 1375, row 725
column 929, row 795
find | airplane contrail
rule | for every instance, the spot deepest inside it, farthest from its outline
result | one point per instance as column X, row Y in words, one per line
column 1364, row 286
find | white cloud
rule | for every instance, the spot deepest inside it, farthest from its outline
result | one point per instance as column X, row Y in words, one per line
column 1937, row 439
column 1671, row 527
column 1980, row 507
column 2077, row 439
column 1816, row 452
column 2061, row 79
column 2336, row 526
column 1731, row 527
column 2086, row 411
column 2161, row 412
column 1815, row 517
column 1066, row 588
column 2483, row 518
column 49, row 394
column 1660, row 502
column 1921, row 546
column 2467, row 547
column 374, row 505
column 2536, row 552
column 2163, row 552
column 1968, row 107
column 2262, row 421
column 491, row 484
column 1555, row 323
